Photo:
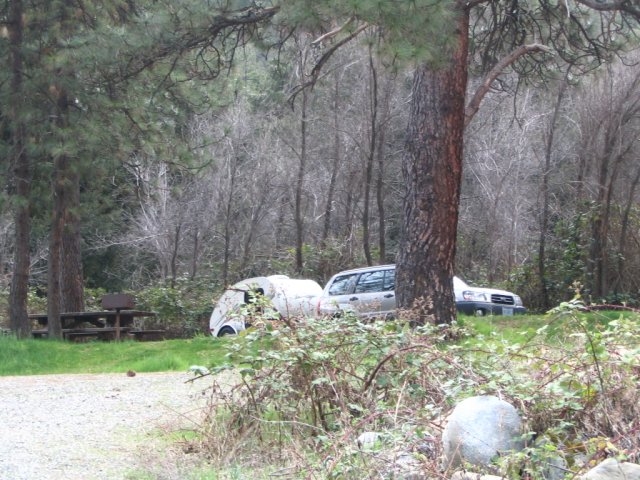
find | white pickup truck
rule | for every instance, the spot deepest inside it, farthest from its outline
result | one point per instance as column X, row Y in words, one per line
column 485, row 301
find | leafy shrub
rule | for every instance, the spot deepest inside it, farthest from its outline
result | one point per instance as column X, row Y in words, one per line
column 307, row 390
column 576, row 385
column 623, row 299
column 183, row 310
column 317, row 384
column 92, row 298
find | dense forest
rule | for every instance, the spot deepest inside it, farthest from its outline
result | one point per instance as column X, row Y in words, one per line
column 149, row 143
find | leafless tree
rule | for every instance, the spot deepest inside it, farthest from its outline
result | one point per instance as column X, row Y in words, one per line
column 609, row 119
column 498, row 185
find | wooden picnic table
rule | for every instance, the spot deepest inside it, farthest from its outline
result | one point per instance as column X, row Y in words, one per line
column 103, row 323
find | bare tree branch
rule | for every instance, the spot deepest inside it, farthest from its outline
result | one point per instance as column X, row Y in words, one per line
column 315, row 73
column 626, row 6
column 332, row 33
column 472, row 3
column 474, row 104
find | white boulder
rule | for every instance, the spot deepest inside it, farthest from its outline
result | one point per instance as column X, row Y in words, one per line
column 478, row 429
column 612, row 469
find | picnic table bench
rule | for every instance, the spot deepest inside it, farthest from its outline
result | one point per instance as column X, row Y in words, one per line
column 106, row 333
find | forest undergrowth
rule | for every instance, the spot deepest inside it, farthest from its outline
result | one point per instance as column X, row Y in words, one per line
column 311, row 391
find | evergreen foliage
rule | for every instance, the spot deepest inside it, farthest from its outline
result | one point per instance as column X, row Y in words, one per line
column 410, row 31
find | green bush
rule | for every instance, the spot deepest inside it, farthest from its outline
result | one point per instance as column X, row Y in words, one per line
column 316, row 385
column 309, row 389
column 183, row 310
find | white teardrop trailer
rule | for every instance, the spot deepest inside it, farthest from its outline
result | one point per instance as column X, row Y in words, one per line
column 273, row 296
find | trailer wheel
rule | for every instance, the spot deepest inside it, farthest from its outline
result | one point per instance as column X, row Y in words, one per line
column 226, row 331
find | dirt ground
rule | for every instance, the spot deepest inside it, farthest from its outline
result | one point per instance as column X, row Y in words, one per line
column 95, row 427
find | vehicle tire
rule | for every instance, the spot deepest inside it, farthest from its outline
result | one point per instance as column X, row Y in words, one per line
column 226, row 331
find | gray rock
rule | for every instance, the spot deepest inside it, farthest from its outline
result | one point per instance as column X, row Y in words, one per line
column 611, row 469
column 406, row 467
column 478, row 429
column 368, row 440
column 407, row 462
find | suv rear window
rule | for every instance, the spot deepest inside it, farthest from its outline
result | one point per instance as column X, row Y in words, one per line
column 370, row 282
column 364, row 282
column 375, row 282
column 344, row 284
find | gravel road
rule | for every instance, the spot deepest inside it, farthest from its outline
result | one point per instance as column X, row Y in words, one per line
column 94, row 427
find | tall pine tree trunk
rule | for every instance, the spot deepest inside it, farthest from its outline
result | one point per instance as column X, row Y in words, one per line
column 61, row 203
column 72, row 279
column 432, row 169
column 72, row 275
column 65, row 278
column 18, row 315
column 54, row 269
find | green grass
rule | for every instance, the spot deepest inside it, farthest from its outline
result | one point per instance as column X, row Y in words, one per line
column 41, row 356
column 515, row 329
column 520, row 329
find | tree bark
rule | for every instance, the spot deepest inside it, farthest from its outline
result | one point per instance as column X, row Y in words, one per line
column 380, row 194
column 65, row 276
column 432, row 168
column 256, row 214
column 194, row 257
column 18, row 314
column 380, row 181
column 72, row 274
column 54, row 270
column 65, row 292
column 229, row 202
column 175, row 248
